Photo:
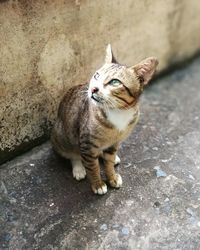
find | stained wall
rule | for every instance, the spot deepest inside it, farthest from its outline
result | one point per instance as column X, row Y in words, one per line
column 48, row 46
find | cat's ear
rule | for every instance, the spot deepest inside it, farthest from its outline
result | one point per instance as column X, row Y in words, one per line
column 109, row 55
column 145, row 69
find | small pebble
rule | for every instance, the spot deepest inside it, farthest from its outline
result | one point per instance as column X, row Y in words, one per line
column 169, row 143
column 155, row 148
column 164, row 160
column 129, row 203
column 159, row 172
column 191, row 177
column 190, row 212
column 125, row 231
column 128, row 165
column 115, row 226
column 12, row 200
column 104, row 227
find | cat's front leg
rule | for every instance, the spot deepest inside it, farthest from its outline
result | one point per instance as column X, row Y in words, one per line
column 110, row 156
column 91, row 163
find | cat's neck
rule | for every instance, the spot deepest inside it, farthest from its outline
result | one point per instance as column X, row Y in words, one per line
column 121, row 118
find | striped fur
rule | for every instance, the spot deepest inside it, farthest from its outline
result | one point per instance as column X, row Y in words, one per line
column 86, row 128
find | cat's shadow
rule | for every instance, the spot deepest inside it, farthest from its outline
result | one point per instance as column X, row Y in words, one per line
column 69, row 188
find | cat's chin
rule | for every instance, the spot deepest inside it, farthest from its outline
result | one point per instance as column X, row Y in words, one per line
column 96, row 102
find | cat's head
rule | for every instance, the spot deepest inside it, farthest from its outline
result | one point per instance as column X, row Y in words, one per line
column 118, row 86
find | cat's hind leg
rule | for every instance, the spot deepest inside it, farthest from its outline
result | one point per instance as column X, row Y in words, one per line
column 78, row 169
column 117, row 160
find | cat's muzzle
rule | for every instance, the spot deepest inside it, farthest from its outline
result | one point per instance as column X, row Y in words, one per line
column 96, row 98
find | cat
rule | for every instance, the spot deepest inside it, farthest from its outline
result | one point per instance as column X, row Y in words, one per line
column 94, row 118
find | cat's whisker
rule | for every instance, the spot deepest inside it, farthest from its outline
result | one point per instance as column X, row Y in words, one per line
column 111, row 103
column 107, row 106
column 84, row 91
column 106, row 103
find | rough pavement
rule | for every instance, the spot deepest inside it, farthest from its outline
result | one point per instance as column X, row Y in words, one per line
column 158, row 207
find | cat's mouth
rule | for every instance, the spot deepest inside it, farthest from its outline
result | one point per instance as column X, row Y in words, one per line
column 96, row 98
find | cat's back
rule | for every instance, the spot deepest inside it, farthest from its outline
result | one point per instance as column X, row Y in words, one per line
column 72, row 112
column 73, row 102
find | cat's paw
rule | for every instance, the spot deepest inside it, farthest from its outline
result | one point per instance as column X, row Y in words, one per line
column 79, row 172
column 100, row 188
column 117, row 160
column 116, row 181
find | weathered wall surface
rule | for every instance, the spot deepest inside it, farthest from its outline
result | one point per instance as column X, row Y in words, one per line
column 47, row 46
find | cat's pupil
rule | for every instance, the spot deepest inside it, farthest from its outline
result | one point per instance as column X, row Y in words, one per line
column 96, row 76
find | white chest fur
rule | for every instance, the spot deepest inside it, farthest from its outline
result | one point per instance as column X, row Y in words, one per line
column 120, row 118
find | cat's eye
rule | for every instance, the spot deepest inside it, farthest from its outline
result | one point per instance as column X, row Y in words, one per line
column 96, row 76
column 115, row 83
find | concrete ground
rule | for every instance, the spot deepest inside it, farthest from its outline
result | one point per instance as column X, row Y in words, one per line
column 158, row 207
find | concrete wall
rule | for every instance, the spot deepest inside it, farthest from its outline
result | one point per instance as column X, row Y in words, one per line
column 48, row 45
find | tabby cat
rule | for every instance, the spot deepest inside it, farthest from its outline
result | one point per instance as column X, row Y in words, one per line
column 94, row 118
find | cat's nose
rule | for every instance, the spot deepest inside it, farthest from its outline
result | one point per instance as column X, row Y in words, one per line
column 95, row 90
